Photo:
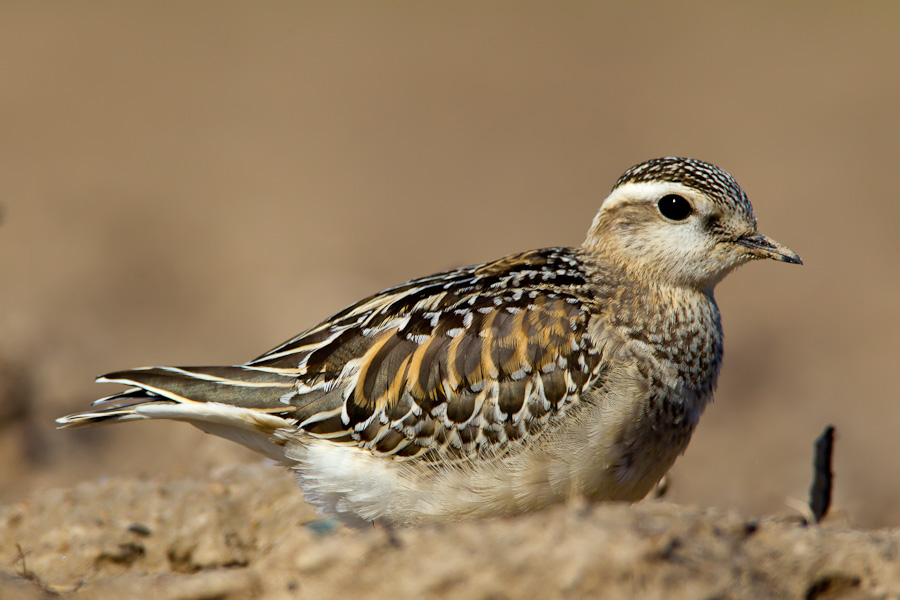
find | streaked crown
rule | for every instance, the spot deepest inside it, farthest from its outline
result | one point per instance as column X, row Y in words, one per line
column 695, row 174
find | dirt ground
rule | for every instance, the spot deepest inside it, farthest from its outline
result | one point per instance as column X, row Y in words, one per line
column 220, row 537
column 193, row 183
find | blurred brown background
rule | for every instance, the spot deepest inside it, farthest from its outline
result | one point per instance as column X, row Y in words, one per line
column 193, row 183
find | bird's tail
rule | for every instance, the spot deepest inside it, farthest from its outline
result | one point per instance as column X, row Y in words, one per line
column 240, row 403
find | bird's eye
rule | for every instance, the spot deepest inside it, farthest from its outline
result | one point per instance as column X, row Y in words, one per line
column 674, row 207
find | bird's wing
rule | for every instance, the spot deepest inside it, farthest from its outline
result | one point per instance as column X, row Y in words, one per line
column 454, row 365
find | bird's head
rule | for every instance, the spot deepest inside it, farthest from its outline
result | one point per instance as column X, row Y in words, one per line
column 682, row 221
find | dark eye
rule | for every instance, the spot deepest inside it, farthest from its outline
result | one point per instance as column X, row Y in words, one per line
column 674, row 207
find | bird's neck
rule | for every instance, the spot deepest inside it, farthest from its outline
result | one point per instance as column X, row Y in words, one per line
column 677, row 326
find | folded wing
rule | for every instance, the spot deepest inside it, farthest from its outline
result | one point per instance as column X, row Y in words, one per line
column 455, row 365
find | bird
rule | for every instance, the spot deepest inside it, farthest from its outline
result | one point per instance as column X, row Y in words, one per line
column 547, row 376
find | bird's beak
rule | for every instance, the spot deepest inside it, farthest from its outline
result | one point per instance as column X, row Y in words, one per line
column 765, row 247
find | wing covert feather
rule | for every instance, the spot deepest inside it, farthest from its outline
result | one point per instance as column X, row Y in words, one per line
column 453, row 365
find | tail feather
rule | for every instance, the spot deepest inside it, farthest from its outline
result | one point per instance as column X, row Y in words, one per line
column 238, row 385
column 108, row 414
column 184, row 389
column 123, row 396
column 241, row 403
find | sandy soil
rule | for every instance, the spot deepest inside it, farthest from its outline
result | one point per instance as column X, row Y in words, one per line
column 220, row 537
column 194, row 183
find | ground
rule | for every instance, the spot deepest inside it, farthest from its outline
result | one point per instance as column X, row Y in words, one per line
column 244, row 532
